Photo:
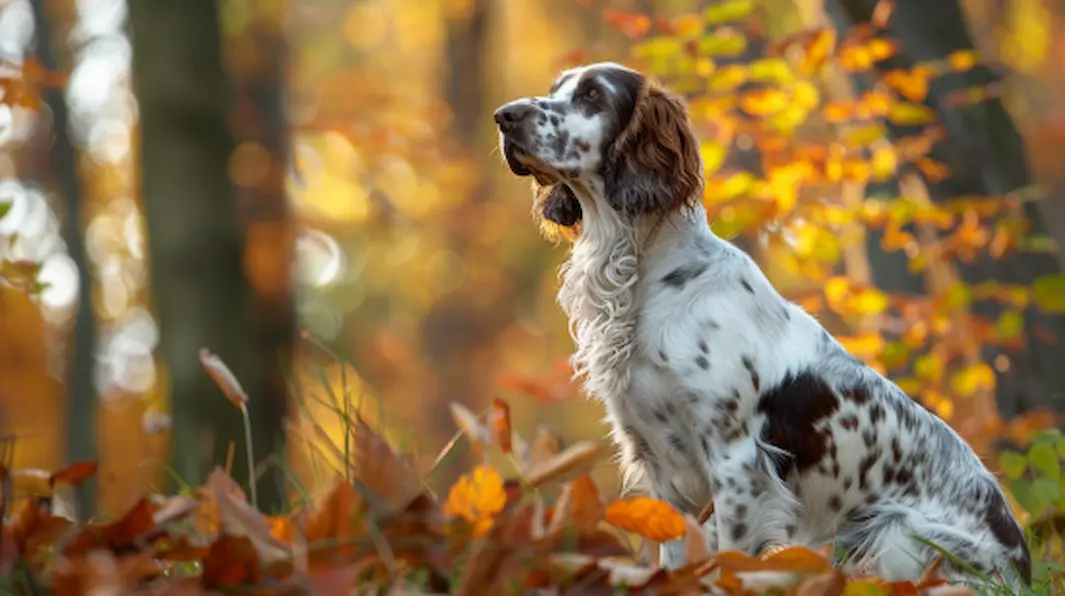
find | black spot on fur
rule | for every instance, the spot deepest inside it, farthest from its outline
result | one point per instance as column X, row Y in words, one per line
column 746, row 286
column 712, row 324
column 661, row 416
column 864, row 466
column 876, row 413
column 705, row 349
column 791, row 529
column 1008, row 533
column 662, row 355
column 848, row 421
column 702, row 362
column 675, row 442
column 739, row 531
column 786, row 313
column 869, row 437
column 679, row 277
column 741, row 510
column 706, row 446
column 793, row 410
column 748, row 363
column 858, row 395
column 896, row 450
column 555, row 120
column 847, row 482
column 835, row 503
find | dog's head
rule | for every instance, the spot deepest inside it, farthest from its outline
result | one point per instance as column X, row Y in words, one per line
column 610, row 128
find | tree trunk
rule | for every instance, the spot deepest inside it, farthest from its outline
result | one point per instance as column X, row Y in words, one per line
column 986, row 155
column 203, row 297
column 62, row 171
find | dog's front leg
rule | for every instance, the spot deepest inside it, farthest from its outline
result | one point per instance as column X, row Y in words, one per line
column 749, row 510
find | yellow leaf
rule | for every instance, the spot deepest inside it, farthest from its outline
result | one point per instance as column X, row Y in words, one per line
column 657, row 48
column 650, row 518
column 884, row 163
column 973, row 378
column 723, row 42
column 909, row 385
column 882, row 49
column 763, row 102
column 728, row 10
column 863, row 136
column 1048, row 293
column 817, row 53
column 688, row 25
column 477, row 497
column 805, row 95
column 962, row 60
column 911, row 114
column 727, row 78
column 867, row 345
column 865, row 588
column 713, row 155
column 929, row 366
column 730, row 188
column 770, row 70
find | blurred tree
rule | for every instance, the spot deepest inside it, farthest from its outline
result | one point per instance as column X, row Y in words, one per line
column 203, row 296
column 986, row 156
column 61, row 169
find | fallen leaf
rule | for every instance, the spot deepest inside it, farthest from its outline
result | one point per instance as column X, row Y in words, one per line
column 475, row 432
column 236, row 518
column 477, row 497
column 579, row 504
column 499, row 424
column 574, row 460
column 76, row 473
column 650, row 518
column 378, row 467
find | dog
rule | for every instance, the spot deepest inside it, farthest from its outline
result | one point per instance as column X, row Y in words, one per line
column 715, row 386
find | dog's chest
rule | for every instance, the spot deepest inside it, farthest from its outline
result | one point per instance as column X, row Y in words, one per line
column 688, row 396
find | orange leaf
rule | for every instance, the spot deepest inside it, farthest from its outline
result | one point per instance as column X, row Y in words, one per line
column 76, row 473
column 499, row 423
column 632, row 24
column 333, row 521
column 797, row 559
column 223, row 377
column 653, row 519
column 962, row 60
column 477, row 497
column 579, row 504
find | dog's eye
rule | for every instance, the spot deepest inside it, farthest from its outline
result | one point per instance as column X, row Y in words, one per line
column 591, row 95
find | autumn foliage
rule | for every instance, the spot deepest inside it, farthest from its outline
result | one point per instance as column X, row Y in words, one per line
column 382, row 528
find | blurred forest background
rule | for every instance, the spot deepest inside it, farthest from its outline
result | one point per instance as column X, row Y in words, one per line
column 296, row 184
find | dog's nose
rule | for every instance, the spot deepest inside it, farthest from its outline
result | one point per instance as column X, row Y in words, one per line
column 508, row 116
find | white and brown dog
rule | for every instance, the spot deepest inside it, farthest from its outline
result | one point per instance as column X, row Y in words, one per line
column 716, row 386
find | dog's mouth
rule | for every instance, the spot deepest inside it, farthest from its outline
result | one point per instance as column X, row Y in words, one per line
column 524, row 164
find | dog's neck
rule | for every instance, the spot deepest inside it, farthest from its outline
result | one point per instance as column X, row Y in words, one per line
column 599, row 283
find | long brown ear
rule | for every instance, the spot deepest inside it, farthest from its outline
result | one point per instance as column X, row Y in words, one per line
column 557, row 209
column 654, row 164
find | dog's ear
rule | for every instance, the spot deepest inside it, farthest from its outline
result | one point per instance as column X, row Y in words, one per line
column 654, row 164
column 557, row 209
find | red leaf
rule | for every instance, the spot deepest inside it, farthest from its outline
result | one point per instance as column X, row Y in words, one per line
column 633, row 24
column 76, row 473
column 231, row 561
column 499, row 425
